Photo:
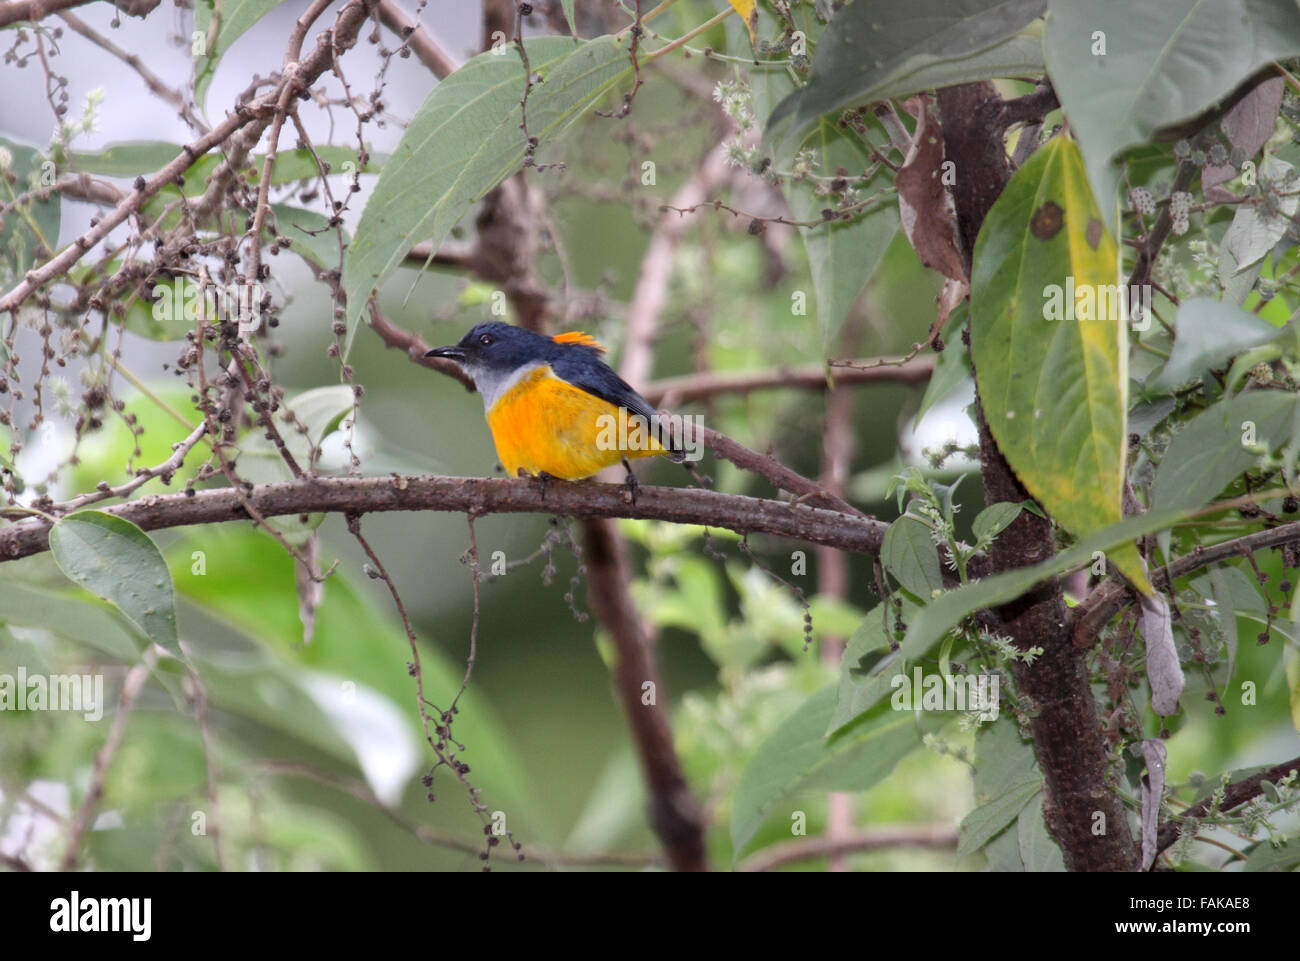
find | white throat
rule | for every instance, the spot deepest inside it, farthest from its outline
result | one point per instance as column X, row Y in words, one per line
column 493, row 384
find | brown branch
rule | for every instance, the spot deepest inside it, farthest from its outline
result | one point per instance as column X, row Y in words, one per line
column 674, row 814
column 1114, row 594
column 479, row 496
column 33, row 10
column 774, row 471
column 414, row 346
column 651, row 292
column 678, row 390
column 875, row 839
column 421, row 42
column 157, row 86
column 1234, row 796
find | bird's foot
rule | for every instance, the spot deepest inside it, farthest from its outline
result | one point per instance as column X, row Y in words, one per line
column 541, row 479
column 630, row 483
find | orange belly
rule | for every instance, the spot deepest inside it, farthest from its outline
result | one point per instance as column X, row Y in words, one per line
column 545, row 425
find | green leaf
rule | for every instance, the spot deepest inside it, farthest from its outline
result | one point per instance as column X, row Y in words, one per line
column 1038, row 849
column 232, row 18
column 1001, row 758
column 935, row 619
column 874, row 51
column 868, row 667
column 71, row 616
column 33, row 227
column 273, row 695
column 463, row 141
column 567, row 7
column 247, row 582
column 310, row 235
column 1209, row 332
column 114, row 559
column 909, row 553
column 988, row 820
column 1050, row 366
column 1002, row 854
column 1164, row 63
column 1253, row 232
column 1212, row 451
column 127, row 159
column 798, row 756
column 1265, row 857
column 994, row 519
column 843, row 254
column 1291, row 668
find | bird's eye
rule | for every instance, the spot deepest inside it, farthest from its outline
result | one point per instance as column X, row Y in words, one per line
column 485, row 339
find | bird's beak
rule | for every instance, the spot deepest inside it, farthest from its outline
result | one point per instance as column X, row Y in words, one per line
column 456, row 354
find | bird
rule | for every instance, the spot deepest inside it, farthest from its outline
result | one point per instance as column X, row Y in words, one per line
column 554, row 407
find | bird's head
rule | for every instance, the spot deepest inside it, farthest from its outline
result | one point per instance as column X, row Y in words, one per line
column 494, row 354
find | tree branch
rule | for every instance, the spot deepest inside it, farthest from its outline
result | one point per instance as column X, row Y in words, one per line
column 1114, row 594
column 479, row 496
column 33, row 10
column 874, row 839
column 1234, row 796
column 674, row 815
column 678, row 390
column 406, row 26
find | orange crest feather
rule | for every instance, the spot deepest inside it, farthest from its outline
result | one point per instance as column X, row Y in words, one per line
column 578, row 337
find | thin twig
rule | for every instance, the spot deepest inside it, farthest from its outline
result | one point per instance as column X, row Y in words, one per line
column 131, row 687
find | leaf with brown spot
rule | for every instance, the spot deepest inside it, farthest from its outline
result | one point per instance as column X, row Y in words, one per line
column 1054, row 390
column 1047, row 221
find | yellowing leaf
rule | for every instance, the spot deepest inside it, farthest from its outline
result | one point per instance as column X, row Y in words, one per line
column 748, row 10
column 1049, row 344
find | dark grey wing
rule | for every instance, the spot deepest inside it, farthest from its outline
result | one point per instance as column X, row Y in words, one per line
column 582, row 367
